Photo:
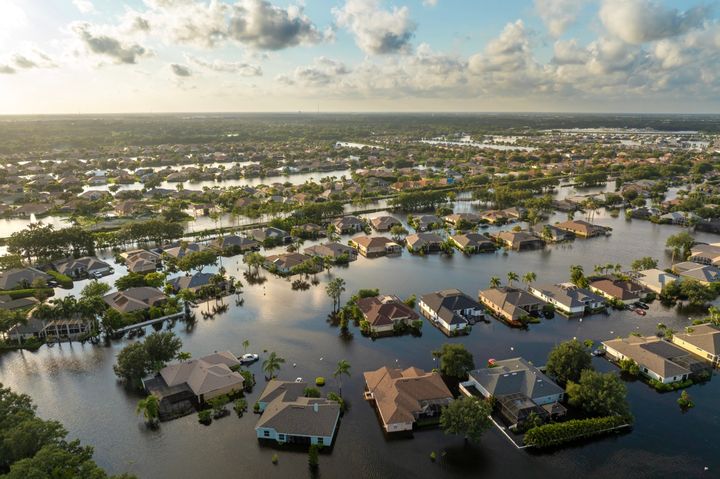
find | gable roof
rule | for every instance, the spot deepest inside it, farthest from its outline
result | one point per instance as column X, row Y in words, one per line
column 703, row 336
column 12, row 278
column 511, row 300
column 134, row 299
column 385, row 310
column 206, row 374
column 660, row 356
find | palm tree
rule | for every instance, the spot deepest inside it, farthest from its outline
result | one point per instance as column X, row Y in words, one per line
column 494, row 282
column 343, row 367
column 335, row 289
column 546, row 233
column 150, row 408
column 272, row 364
column 183, row 356
column 512, row 276
column 245, row 344
column 529, row 278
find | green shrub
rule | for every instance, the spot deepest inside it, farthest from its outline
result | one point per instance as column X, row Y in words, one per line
column 311, row 393
column 64, row 281
column 275, row 458
column 320, row 381
column 563, row 432
column 240, row 406
column 662, row 387
column 205, row 416
column 27, row 292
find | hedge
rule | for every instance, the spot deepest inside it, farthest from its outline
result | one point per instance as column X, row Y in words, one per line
column 26, row 293
column 63, row 280
column 555, row 434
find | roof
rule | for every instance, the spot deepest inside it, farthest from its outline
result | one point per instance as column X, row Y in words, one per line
column 421, row 239
column 580, row 226
column 289, row 412
column 655, row 354
column 369, row 242
column 385, row 310
column 230, row 241
column 197, row 280
column 516, row 237
column 384, row 222
column 511, row 300
column 622, row 290
column 134, row 299
column 205, row 375
column 656, row 277
column 452, row 299
column 87, row 263
column 399, row 394
column 472, row 239
column 12, row 278
column 568, row 294
column 703, row 336
column 698, row 272
column 332, row 249
column 516, row 375
column 287, row 260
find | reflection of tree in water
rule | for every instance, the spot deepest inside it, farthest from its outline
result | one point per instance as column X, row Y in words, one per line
column 254, row 278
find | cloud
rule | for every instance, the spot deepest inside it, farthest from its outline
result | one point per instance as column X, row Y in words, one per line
column 101, row 44
column 263, row 26
column 558, row 15
column 188, row 22
column 567, row 52
column 377, row 31
column 180, row 70
column 85, row 6
column 241, row 68
column 430, row 3
column 641, row 21
column 322, row 72
column 6, row 69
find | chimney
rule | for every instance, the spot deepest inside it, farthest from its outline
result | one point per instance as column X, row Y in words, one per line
column 315, row 407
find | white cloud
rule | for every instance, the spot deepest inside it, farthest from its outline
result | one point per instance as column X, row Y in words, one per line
column 430, row 3
column 85, row 6
column 107, row 45
column 558, row 15
column 567, row 52
column 180, row 70
column 377, row 31
column 641, row 21
column 241, row 68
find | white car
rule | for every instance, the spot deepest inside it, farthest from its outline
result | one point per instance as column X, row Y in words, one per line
column 249, row 358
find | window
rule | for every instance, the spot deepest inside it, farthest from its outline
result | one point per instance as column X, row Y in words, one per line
column 320, row 441
column 281, row 437
column 266, row 433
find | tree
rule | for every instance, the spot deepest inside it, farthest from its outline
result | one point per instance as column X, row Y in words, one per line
column 568, row 360
column 467, row 416
column 696, row 293
column 529, row 278
column 680, row 244
column 161, row 347
column 183, row 356
column 343, row 367
column 272, row 364
column 577, row 276
column 150, row 409
column 398, row 232
column 512, row 276
column 455, row 360
column 646, row 262
column 95, row 288
column 245, row 344
column 599, row 394
column 132, row 364
column 313, row 456
column 254, row 261
column 10, row 261
column 334, row 289
column 494, row 282
column 197, row 260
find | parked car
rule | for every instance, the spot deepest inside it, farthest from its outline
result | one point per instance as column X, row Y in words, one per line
column 249, row 358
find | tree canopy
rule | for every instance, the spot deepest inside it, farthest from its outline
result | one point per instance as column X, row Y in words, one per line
column 467, row 416
column 455, row 360
column 568, row 360
column 599, row 394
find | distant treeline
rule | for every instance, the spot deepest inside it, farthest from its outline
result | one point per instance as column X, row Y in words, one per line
column 20, row 134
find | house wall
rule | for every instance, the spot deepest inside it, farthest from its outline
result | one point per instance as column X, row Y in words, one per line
column 695, row 350
column 553, row 398
column 226, row 390
column 644, row 370
column 399, row 426
column 272, row 434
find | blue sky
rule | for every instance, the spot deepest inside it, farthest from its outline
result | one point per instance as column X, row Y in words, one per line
column 59, row 56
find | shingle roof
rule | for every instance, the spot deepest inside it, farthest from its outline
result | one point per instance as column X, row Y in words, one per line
column 704, row 336
column 205, row 375
column 398, row 393
column 516, row 375
column 447, row 301
column 385, row 310
column 651, row 352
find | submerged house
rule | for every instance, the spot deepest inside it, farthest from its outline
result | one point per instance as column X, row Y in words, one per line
column 373, row 246
column 384, row 223
column 702, row 340
column 472, row 243
column 135, row 299
column 385, row 313
column 402, row 397
column 519, row 240
column 82, row 267
column 520, row 389
column 451, row 310
column 658, row 359
column 568, row 299
column 582, row 228
column 333, row 250
column 423, row 242
column 511, row 305
column 290, row 417
column 617, row 289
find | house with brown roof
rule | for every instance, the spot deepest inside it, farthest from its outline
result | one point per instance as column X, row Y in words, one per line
column 423, row 242
column 658, row 359
column 582, row 228
column 702, row 340
column 459, row 219
column 348, row 224
column 141, row 261
column 385, row 313
column 402, row 397
column 472, row 243
column 333, row 250
column 509, row 304
column 384, row 223
column 617, row 289
column 284, row 263
column 373, row 246
column 519, row 240
column 135, row 299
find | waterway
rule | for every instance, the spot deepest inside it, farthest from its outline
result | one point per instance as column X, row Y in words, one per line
column 75, row 384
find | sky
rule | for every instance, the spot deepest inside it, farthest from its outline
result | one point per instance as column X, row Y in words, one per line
column 110, row 56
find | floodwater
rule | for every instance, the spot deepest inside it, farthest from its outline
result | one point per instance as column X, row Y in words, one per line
column 74, row 383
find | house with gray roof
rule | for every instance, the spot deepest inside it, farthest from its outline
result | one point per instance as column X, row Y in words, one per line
column 384, row 223
column 332, row 250
column 568, row 299
column 234, row 244
column 21, row 277
column 509, row 304
column 83, row 267
column 472, row 243
column 192, row 283
column 702, row 340
column 135, row 299
column 270, row 234
column 423, row 242
column 450, row 310
column 658, row 359
column 519, row 387
column 654, row 279
column 287, row 416
column 704, row 274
